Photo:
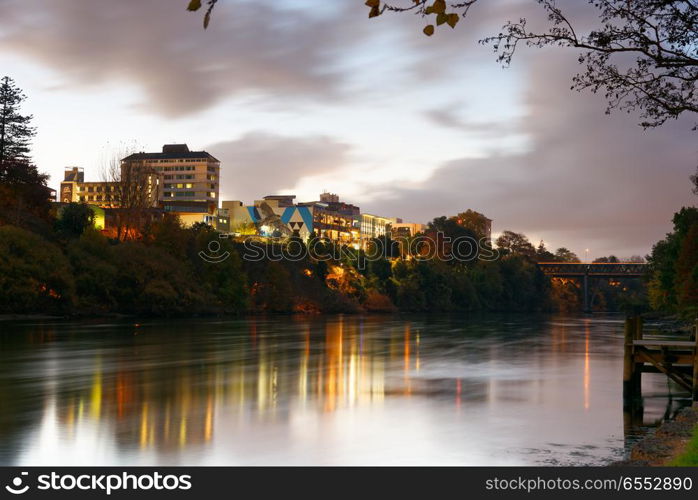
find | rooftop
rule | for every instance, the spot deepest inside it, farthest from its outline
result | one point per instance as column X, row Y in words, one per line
column 171, row 152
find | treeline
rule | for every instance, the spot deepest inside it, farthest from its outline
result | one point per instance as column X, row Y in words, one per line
column 673, row 285
column 64, row 266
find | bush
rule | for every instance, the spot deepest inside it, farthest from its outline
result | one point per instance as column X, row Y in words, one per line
column 34, row 274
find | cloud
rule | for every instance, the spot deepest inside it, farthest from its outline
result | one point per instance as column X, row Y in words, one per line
column 162, row 50
column 449, row 117
column 260, row 163
column 589, row 180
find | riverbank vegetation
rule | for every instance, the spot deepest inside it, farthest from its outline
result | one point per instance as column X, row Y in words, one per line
column 689, row 456
column 63, row 265
column 673, row 286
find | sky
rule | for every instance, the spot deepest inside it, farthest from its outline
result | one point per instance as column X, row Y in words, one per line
column 298, row 96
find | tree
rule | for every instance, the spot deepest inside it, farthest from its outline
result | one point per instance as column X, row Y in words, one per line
column 562, row 254
column 22, row 188
column 515, row 243
column 668, row 277
column 611, row 259
column 74, row 218
column 16, row 131
column 659, row 35
column 23, row 191
column 476, row 222
column 686, row 284
column 694, row 180
column 132, row 188
column 543, row 254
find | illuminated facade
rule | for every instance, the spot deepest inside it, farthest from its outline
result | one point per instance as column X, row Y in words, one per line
column 74, row 189
column 406, row 229
column 189, row 180
column 374, row 226
column 175, row 180
column 336, row 220
column 273, row 216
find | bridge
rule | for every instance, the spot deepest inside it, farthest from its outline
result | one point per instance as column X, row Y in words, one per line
column 585, row 270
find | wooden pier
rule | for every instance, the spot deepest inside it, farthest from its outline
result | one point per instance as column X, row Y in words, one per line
column 675, row 358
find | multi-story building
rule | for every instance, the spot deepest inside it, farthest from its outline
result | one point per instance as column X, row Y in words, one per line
column 75, row 189
column 336, row 220
column 401, row 229
column 176, row 180
column 374, row 226
column 188, row 180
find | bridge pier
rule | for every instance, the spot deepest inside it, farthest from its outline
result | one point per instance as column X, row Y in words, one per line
column 587, row 309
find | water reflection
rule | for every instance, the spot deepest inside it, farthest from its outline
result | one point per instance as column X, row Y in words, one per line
column 317, row 390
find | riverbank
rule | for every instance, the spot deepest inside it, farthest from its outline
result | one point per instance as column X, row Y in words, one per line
column 675, row 442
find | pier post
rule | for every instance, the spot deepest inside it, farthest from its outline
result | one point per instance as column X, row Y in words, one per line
column 637, row 367
column 628, row 363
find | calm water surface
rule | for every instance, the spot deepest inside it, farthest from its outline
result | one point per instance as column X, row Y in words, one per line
column 495, row 390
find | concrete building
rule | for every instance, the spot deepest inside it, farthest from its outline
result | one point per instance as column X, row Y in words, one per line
column 188, row 180
column 336, row 220
column 374, row 226
column 74, row 189
column 175, row 180
column 406, row 229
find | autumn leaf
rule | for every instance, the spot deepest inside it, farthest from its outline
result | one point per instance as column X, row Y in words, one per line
column 441, row 18
column 452, row 20
column 372, row 3
column 439, row 6
column 429, row 30
column 194, row 5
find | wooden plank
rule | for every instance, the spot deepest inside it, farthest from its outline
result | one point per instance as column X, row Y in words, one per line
column 675, row 376
column 684, row 370
column 683, row 344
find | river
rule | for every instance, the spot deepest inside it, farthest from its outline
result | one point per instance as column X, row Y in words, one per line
column 335, row 390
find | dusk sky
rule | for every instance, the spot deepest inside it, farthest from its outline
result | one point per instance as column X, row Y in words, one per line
column 301, row 96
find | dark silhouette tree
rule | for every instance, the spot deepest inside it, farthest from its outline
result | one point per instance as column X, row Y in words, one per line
column 73, row 219
column 16, row 131
column 510, row 242
column 23, row 188
column 563, row 254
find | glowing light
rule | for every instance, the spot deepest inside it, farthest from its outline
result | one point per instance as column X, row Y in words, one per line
column 587, row 371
